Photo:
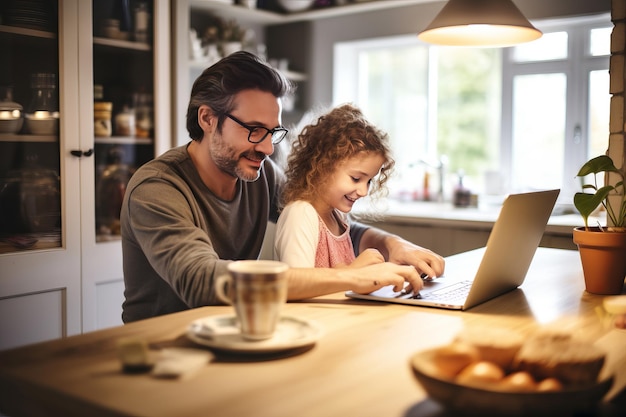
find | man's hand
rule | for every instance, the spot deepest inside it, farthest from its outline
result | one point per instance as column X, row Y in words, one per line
column 402, row 252
column 406, row 253
column 373, row 277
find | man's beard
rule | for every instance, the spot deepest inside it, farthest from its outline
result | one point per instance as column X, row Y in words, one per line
column 227, row 160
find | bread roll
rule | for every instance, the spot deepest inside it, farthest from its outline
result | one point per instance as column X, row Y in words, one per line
column 570, row 361
column 520, row 381
column 549, row 384
column 480, row 374
column 451, row 359
column 497, row 345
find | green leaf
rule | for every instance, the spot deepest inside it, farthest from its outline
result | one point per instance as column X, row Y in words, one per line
column 596, row 165
column 587, row 203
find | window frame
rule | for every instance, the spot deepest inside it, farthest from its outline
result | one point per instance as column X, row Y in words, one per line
column 576, row 67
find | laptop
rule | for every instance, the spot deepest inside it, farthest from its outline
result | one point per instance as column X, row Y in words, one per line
column 506, row 258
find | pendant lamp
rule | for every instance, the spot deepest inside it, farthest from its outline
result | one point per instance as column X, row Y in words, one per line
column 480, row 23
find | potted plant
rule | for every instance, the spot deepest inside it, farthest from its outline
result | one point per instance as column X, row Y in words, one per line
column 232, row 37
column 602, row 248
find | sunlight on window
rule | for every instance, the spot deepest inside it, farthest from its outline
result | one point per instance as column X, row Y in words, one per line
column 550, row 46
column 434, row 103
column 600, row 41
column 599, row 108
column 468, row 109
column 538, row 131
column 393, row 93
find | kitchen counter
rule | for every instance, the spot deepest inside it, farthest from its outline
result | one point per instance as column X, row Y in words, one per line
column 483, row 216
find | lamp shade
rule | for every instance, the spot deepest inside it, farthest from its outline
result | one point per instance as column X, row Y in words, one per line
column 482, row 23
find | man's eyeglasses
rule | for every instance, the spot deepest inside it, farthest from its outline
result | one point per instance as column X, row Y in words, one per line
column 257, row 134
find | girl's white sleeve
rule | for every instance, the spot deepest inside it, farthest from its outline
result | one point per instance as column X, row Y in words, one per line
column 296, row 236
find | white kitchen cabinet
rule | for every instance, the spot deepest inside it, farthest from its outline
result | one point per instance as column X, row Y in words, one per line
column 69, row 279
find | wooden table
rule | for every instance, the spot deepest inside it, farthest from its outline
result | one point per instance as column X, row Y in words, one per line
column 360, row 367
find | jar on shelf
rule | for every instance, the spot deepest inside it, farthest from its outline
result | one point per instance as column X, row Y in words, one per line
column 125, row 122
column 42, row 115
column 111, row 28
column 143, row 115
column 30, row 199
column 102, row 119
column 142, row 22
column 101, row 113
column 110, row 189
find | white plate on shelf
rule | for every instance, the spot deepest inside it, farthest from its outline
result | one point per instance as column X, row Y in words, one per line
column 222, row 332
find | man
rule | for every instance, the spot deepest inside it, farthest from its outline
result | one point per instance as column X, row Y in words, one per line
column 191, row 211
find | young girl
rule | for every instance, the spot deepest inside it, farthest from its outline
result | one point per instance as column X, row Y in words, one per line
column 334, row 161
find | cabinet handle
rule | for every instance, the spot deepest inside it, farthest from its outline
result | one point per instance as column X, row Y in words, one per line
column 79, row 153
column 578, row 133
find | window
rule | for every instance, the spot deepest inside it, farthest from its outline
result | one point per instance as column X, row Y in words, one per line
column 556, row 104
column 507, row 120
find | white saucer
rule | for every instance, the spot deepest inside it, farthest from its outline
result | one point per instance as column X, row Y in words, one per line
column 222, row 332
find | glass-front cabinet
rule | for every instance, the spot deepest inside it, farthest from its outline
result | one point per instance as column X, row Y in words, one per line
column 30, row 194
column 123, row 76
column 84, row 101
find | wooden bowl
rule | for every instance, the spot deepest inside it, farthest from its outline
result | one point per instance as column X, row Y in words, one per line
column 470, row 399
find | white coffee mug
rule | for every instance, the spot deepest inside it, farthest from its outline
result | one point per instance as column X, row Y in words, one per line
column 257, row 290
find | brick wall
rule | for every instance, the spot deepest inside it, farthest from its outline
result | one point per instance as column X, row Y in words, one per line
column 617, row 123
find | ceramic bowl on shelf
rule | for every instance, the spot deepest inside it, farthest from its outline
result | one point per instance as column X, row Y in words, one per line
column 10, row 120
column 39, row 124
column 292, row 6
column 10, row 113
column 460, row 397
column 11, row 125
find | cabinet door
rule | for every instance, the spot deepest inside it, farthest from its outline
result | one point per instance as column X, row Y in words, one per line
column 120, row 41
column 39, row 194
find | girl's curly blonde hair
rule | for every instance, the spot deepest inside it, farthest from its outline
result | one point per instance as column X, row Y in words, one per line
column 322, row 145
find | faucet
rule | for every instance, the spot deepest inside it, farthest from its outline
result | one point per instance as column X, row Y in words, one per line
column 440, row 166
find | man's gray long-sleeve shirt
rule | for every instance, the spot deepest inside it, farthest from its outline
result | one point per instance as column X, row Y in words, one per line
column 177, row 236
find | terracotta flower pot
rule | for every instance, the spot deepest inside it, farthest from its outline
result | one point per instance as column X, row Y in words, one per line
column 603, row 257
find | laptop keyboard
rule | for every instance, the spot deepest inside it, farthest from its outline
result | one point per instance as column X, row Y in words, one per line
column 452, row 292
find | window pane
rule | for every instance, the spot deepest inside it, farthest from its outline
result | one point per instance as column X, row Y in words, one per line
column 468, row 109
column 600, row 41
column 538, row 131
column 550, row 46
column 393, row 94
column 599, row 104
